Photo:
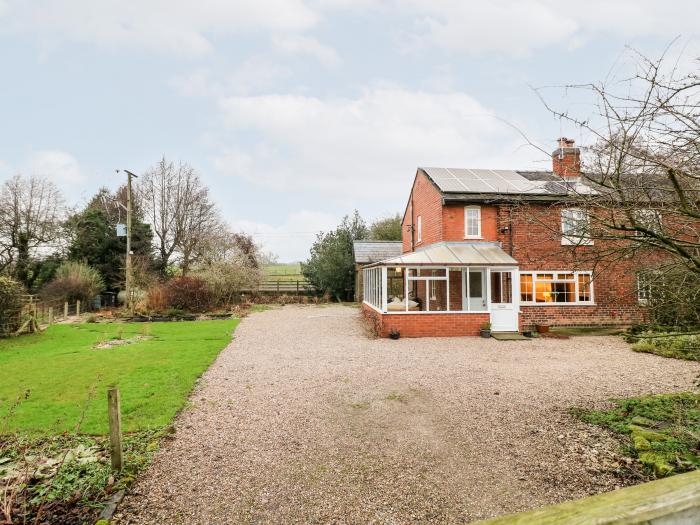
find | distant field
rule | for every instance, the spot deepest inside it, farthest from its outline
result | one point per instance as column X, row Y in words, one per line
column 284, row 272
column 283, row 269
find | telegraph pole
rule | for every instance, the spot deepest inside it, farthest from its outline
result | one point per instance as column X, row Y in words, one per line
column 129, row 299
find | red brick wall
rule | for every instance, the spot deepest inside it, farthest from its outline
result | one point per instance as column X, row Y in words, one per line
column 453, row 223
column 425, row 325
column 534, row 240
column 427, row 203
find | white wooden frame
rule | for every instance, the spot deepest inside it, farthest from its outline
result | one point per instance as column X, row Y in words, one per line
column 478, row 234
column 555, row 280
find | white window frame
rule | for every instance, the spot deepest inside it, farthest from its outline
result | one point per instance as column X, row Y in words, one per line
column 468, row 235
column 433, row 290
column 556, row 273
column 645, row 280
column 419, row 229
column 569, row 239
column 649, row 218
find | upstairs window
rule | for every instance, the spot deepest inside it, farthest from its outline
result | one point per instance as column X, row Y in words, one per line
column 649, row 219
column 575, row 227
column 419, row 229
column 472, row 222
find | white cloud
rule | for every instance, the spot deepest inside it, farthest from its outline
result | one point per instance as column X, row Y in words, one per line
column 291, row 239
column 254, row 75
column 304, row 45
column 179, row 26
column 366, row 147
column 58, row 165
column 520, row 27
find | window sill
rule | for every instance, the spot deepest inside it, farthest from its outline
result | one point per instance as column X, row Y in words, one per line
column 567, row 241
column 529, row 303
column 473, row 237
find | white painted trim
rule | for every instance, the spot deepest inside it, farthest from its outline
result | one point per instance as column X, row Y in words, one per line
column 472, row 207
column 383, row 291
column 555, row 280
column 528, row 303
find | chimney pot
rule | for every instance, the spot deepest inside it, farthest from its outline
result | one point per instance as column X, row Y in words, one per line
column 566, row 159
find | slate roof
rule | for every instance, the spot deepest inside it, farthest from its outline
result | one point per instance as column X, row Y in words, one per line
column 367, row 252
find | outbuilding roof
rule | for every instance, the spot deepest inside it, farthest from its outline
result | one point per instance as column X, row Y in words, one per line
column 367, row 252
column 454, row 253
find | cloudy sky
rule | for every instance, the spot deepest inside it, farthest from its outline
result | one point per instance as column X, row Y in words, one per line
column 296, row 112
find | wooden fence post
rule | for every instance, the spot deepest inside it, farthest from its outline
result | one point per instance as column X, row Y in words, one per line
column 50, row 314
column 65, row 310
column 77, row 307
column 115, row 428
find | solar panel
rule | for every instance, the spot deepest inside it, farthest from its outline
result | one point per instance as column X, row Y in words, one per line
column 463, row 180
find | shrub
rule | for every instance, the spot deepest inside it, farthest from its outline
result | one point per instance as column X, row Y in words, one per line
column 187, row 293
column 227, row 279
column 679, row 346
column 156, row 299
column 74, row 281
column 10, row 305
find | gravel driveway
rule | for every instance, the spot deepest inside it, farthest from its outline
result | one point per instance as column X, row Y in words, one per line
column 304, row 419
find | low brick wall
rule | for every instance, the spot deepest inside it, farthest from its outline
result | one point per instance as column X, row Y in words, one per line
column 581, row 315
column 425, row 325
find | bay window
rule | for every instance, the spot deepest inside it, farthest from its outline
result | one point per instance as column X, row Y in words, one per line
column 556, row 288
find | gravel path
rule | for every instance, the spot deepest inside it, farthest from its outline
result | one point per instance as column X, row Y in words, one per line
column 303, row 419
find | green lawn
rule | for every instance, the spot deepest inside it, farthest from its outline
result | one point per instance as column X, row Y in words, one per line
column 60, row 368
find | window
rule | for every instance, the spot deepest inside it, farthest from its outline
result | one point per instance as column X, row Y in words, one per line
column 433, row 290
column 419, row 228
column 649, row 219
column 645, row 282
column 575, row 227
column 472, row 222
column 526, row 288
column 556, row 287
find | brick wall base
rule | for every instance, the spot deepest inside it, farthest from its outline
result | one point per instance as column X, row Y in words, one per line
column 619, row 315
column 447, row 325
column 425, row 325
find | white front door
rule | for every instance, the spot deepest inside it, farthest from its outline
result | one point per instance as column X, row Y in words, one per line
column 503, row 300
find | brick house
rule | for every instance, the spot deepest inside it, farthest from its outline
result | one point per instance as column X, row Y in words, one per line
column 502, row 247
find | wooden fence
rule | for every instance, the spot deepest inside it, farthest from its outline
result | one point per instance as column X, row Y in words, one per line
column 285, row 284
column 43, row 313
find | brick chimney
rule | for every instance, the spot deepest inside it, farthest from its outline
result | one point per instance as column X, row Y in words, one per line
column 566, row 159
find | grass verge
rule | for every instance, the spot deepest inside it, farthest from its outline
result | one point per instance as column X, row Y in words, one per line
column 54, row 456
column 663, row 431
column 669, row 344
column 155, row 371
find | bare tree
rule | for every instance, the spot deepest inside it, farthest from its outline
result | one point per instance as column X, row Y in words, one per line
column 639, row 181
column 31, row 214
column 178, row 205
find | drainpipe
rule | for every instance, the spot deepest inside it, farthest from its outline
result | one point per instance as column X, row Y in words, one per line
column 510, row 230
column 412, row 227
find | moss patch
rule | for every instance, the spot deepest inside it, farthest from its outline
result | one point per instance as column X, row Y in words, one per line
column 663, row 429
